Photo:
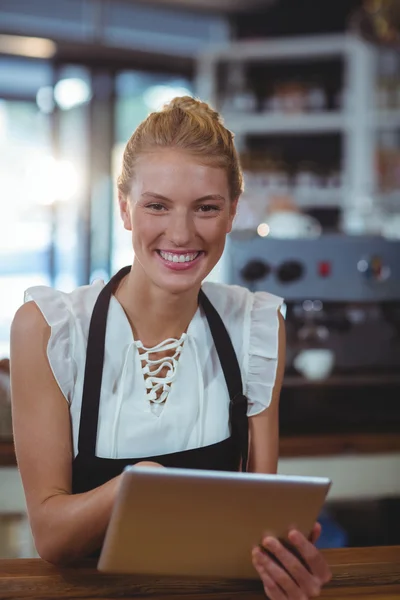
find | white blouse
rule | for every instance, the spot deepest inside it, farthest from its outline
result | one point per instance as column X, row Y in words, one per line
column 195, row 407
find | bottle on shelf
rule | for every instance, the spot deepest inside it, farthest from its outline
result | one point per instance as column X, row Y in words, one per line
column 238, row 96
column 316, row 98
column 287, row 97
column 388, row 88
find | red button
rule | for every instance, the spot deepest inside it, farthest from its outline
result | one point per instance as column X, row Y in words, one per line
column 324, row 268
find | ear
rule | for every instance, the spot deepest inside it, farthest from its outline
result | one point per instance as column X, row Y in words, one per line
column 232, row 214
column 124, row 209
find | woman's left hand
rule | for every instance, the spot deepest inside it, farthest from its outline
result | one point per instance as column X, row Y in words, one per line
column 296, row 582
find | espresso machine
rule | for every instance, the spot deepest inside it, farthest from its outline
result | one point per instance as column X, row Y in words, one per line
column 342, row 311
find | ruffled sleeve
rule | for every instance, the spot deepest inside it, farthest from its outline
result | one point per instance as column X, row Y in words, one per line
column 260, row 349
column 54, row 307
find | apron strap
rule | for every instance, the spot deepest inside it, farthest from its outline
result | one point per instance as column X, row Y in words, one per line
column 95, row 361
column 94, row 367
column 230, row 367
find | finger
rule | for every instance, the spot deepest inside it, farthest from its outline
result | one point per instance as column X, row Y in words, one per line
column 282, row 581
column 306, row 581
column 147, row 463
column 314, row 559
column 315, row 533
column 271, row 589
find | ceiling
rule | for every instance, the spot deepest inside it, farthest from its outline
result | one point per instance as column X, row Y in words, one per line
column 228, row 6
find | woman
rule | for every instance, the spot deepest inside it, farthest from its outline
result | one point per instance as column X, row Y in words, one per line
column 162, row 382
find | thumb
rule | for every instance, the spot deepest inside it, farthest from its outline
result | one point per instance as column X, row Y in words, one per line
column 315, row 533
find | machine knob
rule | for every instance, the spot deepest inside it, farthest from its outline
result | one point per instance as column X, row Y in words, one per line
column 290, row 271
column 254, row 270
column 373, row 269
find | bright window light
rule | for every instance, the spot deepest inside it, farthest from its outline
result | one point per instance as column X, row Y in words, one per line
column 27, row 46
column 70, row 93
column 157, row 95
column 49, row 181
column 3, row 119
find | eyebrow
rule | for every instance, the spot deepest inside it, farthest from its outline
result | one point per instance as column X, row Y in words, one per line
column 215, row 197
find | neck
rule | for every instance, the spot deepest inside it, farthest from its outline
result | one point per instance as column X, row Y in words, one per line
column 155, row 314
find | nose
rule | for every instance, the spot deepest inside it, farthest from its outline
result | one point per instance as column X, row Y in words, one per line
column 180, row 229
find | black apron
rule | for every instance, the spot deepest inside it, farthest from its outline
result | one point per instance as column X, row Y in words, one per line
column 90, row 471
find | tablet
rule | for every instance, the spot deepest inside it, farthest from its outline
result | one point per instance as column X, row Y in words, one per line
column 185, row 522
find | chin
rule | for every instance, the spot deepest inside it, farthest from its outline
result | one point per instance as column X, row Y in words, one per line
column 178, row 284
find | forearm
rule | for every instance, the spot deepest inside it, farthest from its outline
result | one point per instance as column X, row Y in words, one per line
column 69, row 527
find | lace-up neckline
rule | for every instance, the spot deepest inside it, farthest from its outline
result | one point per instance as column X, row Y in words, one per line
column 158, row 385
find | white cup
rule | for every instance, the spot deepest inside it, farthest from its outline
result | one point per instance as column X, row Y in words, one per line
column 315, row 364
column 292, row 225
column 391, row 227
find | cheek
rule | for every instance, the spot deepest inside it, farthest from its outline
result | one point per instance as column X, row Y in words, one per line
column 145, row 227
column 213, row 230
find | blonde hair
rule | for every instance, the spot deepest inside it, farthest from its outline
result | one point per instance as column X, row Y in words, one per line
column 188, row 124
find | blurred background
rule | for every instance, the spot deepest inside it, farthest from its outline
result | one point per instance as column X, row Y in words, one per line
column 312, row 93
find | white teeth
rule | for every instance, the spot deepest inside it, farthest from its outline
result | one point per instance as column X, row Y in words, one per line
column 178, row 257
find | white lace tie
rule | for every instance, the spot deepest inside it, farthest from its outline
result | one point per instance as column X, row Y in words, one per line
column 155, row 384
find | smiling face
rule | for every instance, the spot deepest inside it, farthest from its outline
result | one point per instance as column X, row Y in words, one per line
column 179, row 212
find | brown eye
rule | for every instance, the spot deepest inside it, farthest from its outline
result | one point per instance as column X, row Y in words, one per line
column 207, row 208
column 156, row 206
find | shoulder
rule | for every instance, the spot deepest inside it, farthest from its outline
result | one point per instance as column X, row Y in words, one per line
column 237, row 303
column 48, row 325
column 256, row 326
column 57, row 307
column 28, row 321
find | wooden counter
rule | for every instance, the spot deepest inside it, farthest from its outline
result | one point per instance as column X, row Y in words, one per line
column 358, row 574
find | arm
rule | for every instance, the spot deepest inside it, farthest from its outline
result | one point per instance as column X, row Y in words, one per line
column 264, row 427
column 294, row 581
column 64, row 526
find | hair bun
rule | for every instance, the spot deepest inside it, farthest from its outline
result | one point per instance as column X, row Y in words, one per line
column 193, row 105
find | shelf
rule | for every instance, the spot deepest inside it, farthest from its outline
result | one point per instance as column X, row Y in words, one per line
column 297, row 381
column 296, row 446
column 303, row 123
column 390, row 199
column 299, row 123
column 387, row 119
column 7, row 454
column 307, row 198
column 290, row 49
column 321, row 198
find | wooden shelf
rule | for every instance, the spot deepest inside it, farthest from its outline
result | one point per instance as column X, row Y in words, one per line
column 337, row 445
column 7, row 454
column 343, row 381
